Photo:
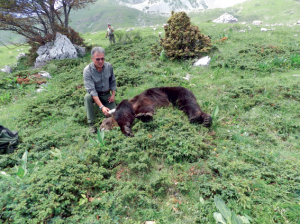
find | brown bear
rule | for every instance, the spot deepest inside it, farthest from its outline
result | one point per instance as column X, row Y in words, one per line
column 143, row 106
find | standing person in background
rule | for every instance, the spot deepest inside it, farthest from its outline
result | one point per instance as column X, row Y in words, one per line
column 100, row 84
column 110, row 34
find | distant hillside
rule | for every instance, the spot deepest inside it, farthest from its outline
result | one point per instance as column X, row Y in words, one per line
column 285, row 12
column 166, row 6
column 7, row 37
column 96, row 16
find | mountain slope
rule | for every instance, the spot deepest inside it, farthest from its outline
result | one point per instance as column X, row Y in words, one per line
column 269, row 11
column 165, row 6
column 96, row 16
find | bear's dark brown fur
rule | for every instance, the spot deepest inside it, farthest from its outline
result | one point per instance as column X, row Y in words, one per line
column 143, row 106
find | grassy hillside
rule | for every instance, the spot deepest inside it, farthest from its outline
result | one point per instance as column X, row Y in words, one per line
column 96, row 16
column 171, row 170
column 269, row 11
column 93, row 19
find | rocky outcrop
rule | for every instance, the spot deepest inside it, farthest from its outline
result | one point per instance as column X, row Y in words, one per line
column 226, row 18
column 61, row 48
column 164, row 7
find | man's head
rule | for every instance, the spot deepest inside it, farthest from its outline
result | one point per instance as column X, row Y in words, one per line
column 98, row 56
column 109, row 25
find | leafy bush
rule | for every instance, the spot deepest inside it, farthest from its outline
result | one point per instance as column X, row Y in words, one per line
column 183, row 40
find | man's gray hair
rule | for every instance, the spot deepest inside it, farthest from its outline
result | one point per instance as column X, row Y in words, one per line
column 98, row 50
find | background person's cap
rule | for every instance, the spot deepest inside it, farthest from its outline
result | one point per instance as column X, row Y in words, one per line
column 108, row 24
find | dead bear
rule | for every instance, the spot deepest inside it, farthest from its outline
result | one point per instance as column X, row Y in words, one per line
column 143, row 106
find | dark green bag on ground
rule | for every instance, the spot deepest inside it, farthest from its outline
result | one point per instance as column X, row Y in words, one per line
column 9, row 140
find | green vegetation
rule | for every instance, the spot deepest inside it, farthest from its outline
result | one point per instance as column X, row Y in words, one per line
column 8, row 56
column 268, row 11
column 182, row 40
column 97, row 16
column 171, row 171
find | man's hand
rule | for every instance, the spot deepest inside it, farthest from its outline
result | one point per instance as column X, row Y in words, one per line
column 111, row 99
column 105, row 110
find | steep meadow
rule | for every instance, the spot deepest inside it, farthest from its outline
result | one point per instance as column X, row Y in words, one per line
column 171, row 170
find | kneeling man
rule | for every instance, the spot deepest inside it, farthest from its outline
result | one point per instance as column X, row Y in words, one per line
column 100, row 84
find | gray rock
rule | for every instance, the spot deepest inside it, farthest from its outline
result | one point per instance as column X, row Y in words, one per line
column 226, row 18
column 42, row 88
column 45, row 74
column 298, row 23
column 130, row 29
column 80, row 50
column 257, row 22
column 187, row 77
column 265, row 29
column 202, row 61
column 20, row 55
column 61, row 48
column 6, row 69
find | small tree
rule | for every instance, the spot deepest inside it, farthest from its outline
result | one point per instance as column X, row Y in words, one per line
column 38, row 21
column 183, row 40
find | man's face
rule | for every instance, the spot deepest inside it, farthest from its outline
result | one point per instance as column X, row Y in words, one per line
column 108, row 26
column 98, row 59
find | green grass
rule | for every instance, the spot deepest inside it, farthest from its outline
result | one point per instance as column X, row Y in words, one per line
column 270, row 12
column 171, row 170
column 96, row 16
column 8, row 56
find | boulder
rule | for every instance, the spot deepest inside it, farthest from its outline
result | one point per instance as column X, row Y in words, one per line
column 226, row 18
column 6, row 69
column 80, row 50
column 298, row 23
column 202, row 61
column 257, row 22
column 61, row 48
column 130, row 29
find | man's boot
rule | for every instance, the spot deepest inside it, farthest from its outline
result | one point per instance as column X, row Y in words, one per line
column 93, row 129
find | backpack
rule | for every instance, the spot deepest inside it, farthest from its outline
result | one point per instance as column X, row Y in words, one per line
column 9, row 140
